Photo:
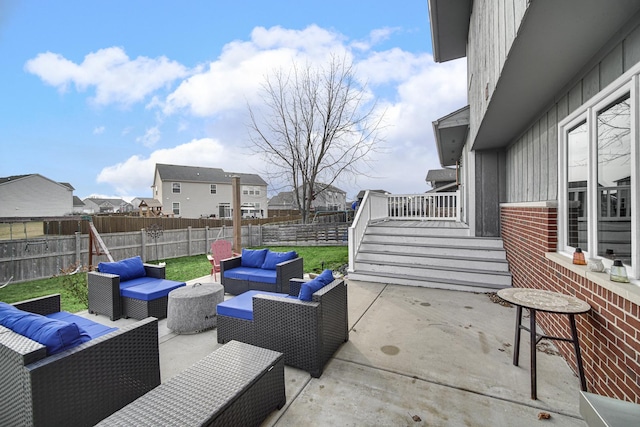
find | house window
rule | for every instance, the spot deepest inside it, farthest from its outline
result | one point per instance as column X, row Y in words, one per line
column 214, row 189
column 175, row 188
column 599, row 161
column 250, row 191
column 176, row 208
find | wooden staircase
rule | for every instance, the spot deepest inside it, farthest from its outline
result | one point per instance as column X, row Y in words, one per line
column 417, row 254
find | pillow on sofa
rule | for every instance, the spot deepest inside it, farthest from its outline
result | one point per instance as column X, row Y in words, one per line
column 274, row 258
column 56, row 335
column 127, row 269
column 253, row 258
column 308, row 288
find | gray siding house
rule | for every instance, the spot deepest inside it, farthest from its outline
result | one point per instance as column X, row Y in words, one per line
column 95, row 205
column 549, row 159
column 195, row 192
column 34, row 195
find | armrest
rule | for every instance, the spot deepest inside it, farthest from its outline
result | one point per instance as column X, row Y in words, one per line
column 124, row 362
column 295, row 285
column 42, row 305
column 155, row 271
column 104, row 294
column 286, row 271
column 229, row 263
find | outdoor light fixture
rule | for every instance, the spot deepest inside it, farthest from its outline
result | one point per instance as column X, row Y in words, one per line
column 578, row 257
column 618, row 272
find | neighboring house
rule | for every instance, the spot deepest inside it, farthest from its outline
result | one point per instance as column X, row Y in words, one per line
column 325, row 198
column 442, row 180
column 195, row 192
column 148, row 207
column 95, row 205
column 283, row 200
column 34, row 195
column 78, row 205
column 549, row 160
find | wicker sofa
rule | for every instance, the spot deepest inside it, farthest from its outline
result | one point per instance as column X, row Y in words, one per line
column 78, row 386
column 129, row 288
column 307, row 332
column 261, row 270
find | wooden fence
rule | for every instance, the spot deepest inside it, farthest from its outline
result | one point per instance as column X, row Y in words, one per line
column 45, row 256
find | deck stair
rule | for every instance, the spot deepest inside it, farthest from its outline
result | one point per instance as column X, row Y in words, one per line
column 428, row 256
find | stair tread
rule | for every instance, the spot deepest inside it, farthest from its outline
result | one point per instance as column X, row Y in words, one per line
column 440, row 246
column 438, row 280
column 437, row 267
column 462, row 258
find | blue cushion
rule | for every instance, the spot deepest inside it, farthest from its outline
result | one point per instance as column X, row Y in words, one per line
column 253, row 257
column 92, row 328
column 136, row 281
column 239, row 273
column 274, row 258
column 127, row 269
column 241, row 306
column 263, row 276
column 54, row 334
column 309, row 288
column 151, row 290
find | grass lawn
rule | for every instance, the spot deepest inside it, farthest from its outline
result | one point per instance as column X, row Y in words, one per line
column 180, row 269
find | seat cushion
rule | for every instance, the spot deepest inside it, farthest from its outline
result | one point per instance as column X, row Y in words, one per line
column 151, row 290
column 253, row 257
column 239, row 273
column 241, row 306
column 55, row 335
column 274, row 258
column 136, row 281
column 127, row 269
column 309, row 288
column 262, row 276
column 94, row 329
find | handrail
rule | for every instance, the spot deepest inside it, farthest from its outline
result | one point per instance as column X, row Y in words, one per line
column 373, row 207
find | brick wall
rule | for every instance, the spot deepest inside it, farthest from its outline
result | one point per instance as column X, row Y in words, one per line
column 609, row 335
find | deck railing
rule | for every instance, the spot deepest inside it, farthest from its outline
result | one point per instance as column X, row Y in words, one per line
column 378, row 206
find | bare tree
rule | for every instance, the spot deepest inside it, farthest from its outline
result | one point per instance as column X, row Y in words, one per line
column 317, row 124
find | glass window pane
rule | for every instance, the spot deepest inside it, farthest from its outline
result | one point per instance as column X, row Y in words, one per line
column 577, row 173
column 614, row 181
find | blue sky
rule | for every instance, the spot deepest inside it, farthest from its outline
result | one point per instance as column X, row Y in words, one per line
column 95, row 93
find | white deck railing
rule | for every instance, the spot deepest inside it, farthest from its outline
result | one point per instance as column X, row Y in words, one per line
column 377, row 206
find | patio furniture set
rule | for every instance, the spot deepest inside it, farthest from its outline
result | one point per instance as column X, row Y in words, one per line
column 112, row 376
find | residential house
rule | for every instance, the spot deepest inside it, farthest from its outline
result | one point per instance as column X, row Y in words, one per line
column 34, row 195
column 78, row 205
column 549, row 160
column 284, row 200
column 195, row 192
column 442, row 180
column 325, row 198
column 96, row 205
column 148, row 207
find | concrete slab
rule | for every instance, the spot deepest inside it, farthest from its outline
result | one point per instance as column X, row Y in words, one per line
column 444, row 357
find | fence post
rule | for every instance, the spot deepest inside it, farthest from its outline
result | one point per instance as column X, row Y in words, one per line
column 78, row 248
column 189, row 240
column 207, row 245
column 143, row 243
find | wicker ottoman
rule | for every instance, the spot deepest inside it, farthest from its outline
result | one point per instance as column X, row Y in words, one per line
column 193, row 308
column 236, row 385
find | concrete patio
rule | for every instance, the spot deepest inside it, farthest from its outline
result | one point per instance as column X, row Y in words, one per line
column 416, row 357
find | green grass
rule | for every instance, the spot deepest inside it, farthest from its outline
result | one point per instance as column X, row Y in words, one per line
column 180, row 269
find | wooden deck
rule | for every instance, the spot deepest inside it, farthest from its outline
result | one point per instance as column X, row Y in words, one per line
column 412, row 223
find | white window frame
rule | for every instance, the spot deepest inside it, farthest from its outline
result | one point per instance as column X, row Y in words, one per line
column 175, row 205
column 174, row 186
column 629, row 83
column 213, row 189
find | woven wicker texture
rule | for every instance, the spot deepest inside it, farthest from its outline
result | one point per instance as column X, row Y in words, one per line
column 284, row 273
column 308, row 333
column 236, row 385
column 79, row 386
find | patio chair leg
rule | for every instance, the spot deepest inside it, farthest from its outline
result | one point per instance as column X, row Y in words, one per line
column 516, row 342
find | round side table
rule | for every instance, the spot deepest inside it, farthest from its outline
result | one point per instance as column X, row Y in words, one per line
column 551, row 302
column 193, row 308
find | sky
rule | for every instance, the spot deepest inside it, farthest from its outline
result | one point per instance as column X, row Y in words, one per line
column 95, row 93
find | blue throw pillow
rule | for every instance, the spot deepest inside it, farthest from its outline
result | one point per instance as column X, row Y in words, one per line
column 274, row 258
column 127, row 269
column 309, row 288
column 56, row 335
column 253, row 258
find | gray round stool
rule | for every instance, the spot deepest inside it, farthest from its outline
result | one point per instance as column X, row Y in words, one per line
column 193, row 308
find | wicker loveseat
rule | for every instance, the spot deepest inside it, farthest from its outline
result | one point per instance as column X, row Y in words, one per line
column 129, row 288
column 260, row 269
column 307, row 332
column 77, row 386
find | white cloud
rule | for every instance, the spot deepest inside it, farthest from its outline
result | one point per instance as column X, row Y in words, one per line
column 115, row 77
column 134, row 176
column 98, row 130
column 150, row 137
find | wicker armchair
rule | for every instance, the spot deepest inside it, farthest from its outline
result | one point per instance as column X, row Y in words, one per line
column 79, row 386
column 308, row 333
